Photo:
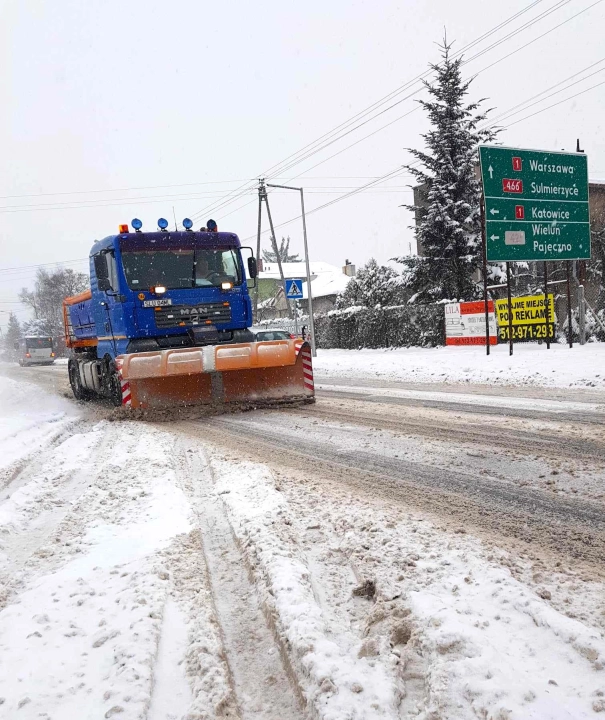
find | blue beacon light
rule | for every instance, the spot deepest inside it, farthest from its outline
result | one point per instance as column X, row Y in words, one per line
column 187, row 224
column 162, row 223
column 137, row 224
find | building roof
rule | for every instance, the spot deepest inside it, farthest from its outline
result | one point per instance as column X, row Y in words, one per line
column 270, row 271
column 326, row 279
column 326, row 284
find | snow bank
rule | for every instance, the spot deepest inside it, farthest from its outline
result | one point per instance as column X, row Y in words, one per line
column 531, row 364
column 104, row 610
column 81, row 640
column 29, row 420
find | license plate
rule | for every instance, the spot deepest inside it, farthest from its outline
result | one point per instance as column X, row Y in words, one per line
column 157, row 303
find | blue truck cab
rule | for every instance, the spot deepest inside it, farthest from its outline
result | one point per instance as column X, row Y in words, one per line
column 151, row 291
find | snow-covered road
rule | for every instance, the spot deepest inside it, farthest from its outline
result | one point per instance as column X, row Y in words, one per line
column 383, row 554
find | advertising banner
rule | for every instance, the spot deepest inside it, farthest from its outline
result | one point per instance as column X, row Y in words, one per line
column 528, row 318
column 465, row 323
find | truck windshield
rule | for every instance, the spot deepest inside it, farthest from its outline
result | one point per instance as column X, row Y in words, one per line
column 31, row 343
column 177, row 268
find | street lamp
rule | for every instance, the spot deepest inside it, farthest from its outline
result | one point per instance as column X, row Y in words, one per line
column 309, row 292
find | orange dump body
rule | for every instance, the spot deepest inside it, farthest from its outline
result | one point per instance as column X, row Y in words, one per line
column 276, row 370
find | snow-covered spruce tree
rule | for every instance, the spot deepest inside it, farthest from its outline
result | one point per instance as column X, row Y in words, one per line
column 374, row 286
column 13, row 334
column 448, row 223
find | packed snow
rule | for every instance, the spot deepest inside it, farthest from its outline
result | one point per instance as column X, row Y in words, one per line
column 94, row 620
column 450, row 632
column 531, row 365
column 109, row 607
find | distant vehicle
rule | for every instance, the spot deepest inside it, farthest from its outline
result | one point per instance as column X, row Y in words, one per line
column 263, row 333
column 35, row 351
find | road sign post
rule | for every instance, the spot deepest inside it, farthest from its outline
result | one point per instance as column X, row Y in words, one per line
column 546, row 308
column 484, row 258
column 569, row 318
column 510, row 310
column 536, row 205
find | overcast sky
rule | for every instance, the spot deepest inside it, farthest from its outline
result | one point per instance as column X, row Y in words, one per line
column 109, row 104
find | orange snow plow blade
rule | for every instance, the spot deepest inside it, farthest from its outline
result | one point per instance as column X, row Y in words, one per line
column 272, row 371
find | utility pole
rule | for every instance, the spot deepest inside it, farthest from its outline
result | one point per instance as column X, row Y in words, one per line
column 260, row 206
column 262, row 195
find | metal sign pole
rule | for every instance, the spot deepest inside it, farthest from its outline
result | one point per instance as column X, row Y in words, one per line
column 485, row 298
column 510, row 311
column 581, row 314
column 276, row 251
column 546, row 308
column 309, row 291
column 569, row 327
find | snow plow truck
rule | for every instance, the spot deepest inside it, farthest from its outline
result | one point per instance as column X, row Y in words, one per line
column 166, row 323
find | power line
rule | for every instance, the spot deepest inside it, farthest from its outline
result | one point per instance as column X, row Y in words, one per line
column 531, row 42
column 557, row 103
column 159, row 187
column 561, row 82
column 297, row 158
column 131, row 189
column 382, row 178
column 402, row 88
column 378, row 180
column 235, row 194
column 121, row 202
column 343, row 197
column 559, row 5
column 512, row 34
column 401, row 117
column 41, row 265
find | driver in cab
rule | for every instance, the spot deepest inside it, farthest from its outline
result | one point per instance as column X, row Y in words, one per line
column 203, row 274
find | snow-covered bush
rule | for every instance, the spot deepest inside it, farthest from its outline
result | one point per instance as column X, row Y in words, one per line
column 381, row 327
column 374, row 285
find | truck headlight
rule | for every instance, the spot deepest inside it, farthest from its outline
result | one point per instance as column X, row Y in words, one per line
column 226, row 285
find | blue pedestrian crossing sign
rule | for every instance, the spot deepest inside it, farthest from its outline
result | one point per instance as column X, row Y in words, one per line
column 294, row 289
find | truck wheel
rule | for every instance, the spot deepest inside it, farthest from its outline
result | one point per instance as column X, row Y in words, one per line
column 80, row 393
column 115, row 389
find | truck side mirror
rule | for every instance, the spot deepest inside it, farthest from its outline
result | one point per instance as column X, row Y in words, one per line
column 102, row 272
column 252, row 267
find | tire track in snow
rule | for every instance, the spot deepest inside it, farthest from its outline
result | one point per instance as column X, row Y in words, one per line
column 264, row 687
column 526, row 441
column 574, row 528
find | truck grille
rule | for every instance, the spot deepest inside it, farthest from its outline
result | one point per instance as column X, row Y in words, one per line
column 188, row 315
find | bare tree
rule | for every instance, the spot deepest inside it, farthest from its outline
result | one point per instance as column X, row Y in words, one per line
column 46, row 299
column 284, row 252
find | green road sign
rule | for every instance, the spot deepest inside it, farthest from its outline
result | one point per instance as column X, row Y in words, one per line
column 536, row 204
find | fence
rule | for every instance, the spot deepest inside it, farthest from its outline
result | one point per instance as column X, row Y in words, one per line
column 399, row 326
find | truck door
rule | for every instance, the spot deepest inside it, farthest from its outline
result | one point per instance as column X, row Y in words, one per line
column 110, row 314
